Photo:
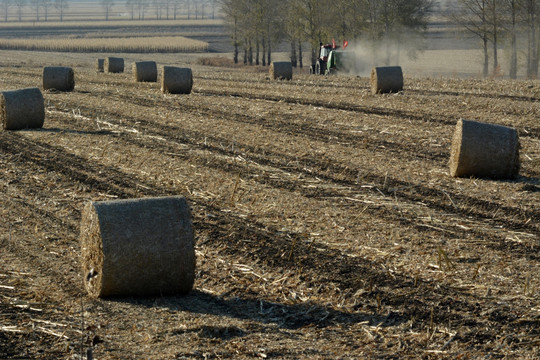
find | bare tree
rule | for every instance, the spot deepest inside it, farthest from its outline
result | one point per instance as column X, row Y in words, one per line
column 6, row 4
column 495, row 20
column 61, row 6
column 317, row 21
column 175, row 7
column 512, row 8
column 132, row 6
column 156, row 4
column 532, row 16
column 36, row 5
column 233, row 12
column 46, row 4
column 392, row 22
column 20, row 4
column 107, row 7
column 473, row 15
column 188, row 8
column 311, row 21
column 213, row 4
column 142, row 5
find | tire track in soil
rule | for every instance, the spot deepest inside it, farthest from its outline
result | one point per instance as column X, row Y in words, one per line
column 284, row 164
column 69, row 165
column 296, row 83
column 366, row 87
column 472, row 94
column 76, row 168
column 496, row 243
column 37, row 256
column 429, row 297
column 14, row 70
column 514, row 218
column 327, row 136
column 318, row 134
column 532, row 132
column 329, row 265
column 529, row 132
column 45, row 219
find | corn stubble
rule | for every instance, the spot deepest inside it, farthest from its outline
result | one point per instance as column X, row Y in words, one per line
column 162, row 44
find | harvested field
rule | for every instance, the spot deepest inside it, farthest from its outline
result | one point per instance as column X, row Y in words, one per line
column 326, row 223
column 163, row 44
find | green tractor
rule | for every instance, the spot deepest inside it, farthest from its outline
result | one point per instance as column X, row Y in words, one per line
column 331, row 60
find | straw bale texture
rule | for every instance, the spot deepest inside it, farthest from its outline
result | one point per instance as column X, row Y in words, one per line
column 60, row 78
column 113, row 65
column 484, row 150
column 21, row 109
column 281, row 70
column 176, row 80
column 386, row 79
column 99, row 65
column 137, row 247
column 145, row 71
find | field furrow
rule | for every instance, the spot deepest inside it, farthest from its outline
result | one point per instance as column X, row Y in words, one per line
column 326, row 223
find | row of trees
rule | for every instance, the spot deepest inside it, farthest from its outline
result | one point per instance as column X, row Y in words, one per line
column 256, row 25
column 498, row 21
column 170, row 9
column 137, row 9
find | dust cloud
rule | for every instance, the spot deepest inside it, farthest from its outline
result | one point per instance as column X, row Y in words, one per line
column 369, row 53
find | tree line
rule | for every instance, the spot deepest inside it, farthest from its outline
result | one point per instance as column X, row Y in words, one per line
column 256, row 26
column 43, row 10
column 498, row 22
column 170, row 9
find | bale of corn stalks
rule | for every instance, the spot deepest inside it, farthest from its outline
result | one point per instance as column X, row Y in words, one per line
column 484, row 150
column 145, row 71
column 281, row 70
column 21, row 109
column 113, row 64
column 99, row 65
column 386, row 79
column 60, row 78
column 137, row 247
column 176, row 80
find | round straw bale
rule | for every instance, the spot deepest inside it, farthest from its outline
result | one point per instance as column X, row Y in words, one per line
column 113, row 65
column 99, row 65
column 60, row 78
column 484, row 150
column 281, row 70
column 386, row 79
column 176, row 80
column 21, row 109
column 137, row 247
column 145, row 71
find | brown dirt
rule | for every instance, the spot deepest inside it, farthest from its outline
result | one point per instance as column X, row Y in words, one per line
column 326, row 223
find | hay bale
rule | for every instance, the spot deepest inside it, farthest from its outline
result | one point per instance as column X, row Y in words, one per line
column 60, row 78
column 281, row 70
column 386, row 79
column 21, row 109
column 113, row 65
column 176, row 80
column 137, row 247
column 145, row 71
column 484, row 150
column 99, row 65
